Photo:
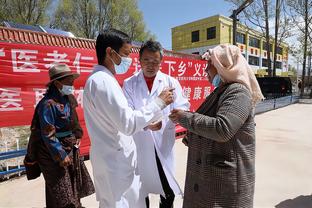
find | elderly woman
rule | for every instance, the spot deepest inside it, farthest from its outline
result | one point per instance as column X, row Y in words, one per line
column 54, row 143
column 221, row 136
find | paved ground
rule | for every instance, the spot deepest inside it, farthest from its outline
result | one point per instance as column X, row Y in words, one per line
column 283, row 165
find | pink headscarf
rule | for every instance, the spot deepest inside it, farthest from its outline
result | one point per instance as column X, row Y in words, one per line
column 233, row 67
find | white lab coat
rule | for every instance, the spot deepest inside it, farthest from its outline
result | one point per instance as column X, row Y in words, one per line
column 147, row 141
column 110, row 123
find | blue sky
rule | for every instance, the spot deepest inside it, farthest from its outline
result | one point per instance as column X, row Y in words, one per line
column 161, row 15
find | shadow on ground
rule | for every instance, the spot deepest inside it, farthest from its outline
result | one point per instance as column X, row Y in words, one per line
column 298, row 202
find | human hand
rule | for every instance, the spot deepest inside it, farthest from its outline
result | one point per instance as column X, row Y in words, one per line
column 155, row 126
column 176, row 114
column 185, row 141
column 66, row 162
column 77, row 145
column 167, row 95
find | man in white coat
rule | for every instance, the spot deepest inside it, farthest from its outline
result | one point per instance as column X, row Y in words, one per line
column 111, row 122
column 155, row 143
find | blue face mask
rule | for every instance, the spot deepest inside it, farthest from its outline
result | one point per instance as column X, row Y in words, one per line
column 216, row 80
column 123, row 66
column 67, row 90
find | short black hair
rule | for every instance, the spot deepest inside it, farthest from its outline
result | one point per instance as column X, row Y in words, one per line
column 109, row 38
column 153, row 46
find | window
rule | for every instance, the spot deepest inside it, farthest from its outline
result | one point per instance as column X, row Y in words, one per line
column 252, row 60
column 279, row 50
column 264, row 46
column 265, row 62
column 211, row 33
column 278, row 65
column 254, row 42
column 195, row 53
column 241, row 38
column 195, row 36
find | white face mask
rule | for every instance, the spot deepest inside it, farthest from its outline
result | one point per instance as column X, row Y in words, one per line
column 124, row 65
column 67, row 90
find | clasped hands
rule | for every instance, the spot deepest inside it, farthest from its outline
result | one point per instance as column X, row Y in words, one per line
column 67, row 160
column 168, row 97
column 174, row 116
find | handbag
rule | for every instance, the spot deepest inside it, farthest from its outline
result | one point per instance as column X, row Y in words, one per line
column 33, row 170
column 32, row 167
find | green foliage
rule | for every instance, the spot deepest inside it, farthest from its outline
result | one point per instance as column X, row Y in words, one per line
column 12, row 134
column 29, row 12
column 85, row 18
column 293, row 70
column 74, row 16
column 24, row 133
column 129, row 19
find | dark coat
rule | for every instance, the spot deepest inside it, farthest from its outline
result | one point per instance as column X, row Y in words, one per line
column 64, row 185
column 221, row 157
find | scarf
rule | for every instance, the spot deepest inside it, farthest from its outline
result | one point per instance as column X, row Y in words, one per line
column 233, row 67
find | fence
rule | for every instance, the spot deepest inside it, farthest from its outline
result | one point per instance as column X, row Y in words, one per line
column 274, row 103
column 264, row 106
column 12, row 155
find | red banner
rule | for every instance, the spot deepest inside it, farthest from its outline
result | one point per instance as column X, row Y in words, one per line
column 24, row 73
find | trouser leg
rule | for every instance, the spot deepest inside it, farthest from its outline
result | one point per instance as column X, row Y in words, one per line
column 167, row 201
column 147, row 202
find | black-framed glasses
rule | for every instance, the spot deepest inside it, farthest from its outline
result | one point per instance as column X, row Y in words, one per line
column 154, row 62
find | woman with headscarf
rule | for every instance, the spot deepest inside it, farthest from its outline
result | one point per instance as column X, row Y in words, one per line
column 54, row 143
column 221, row 136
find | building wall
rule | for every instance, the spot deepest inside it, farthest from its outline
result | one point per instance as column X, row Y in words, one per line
column 182, row 42
column 182, row 35
column 199, row 50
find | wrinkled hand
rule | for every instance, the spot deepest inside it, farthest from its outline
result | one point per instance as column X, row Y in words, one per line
column 167, row 95
column 77, row 145
column 176, row 114
column 155, row 126
column 66, row 162
column 185, row 141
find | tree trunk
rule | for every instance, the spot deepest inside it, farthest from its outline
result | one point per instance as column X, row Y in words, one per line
column 277, row 17
column 267, row 35
column 309, row 69
column 305, row 47
column 100, row 29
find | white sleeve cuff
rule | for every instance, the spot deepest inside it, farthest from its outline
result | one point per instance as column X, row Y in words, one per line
column 161, row 104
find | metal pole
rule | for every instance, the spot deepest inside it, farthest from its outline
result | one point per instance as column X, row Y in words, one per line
column 297, row 84
column 18, row 160
column 234, row 17
column 17, row 144
column 6, row 162
column 305, row 48
column 277, row 19
column 309, row 68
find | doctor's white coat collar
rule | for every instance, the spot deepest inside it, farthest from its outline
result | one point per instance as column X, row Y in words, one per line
column 98, row 68
column 157, row 81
